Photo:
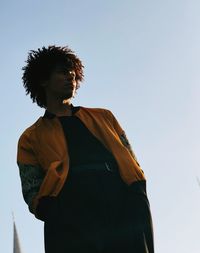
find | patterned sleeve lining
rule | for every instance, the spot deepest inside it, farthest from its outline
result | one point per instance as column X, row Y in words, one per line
column 31, row 179
column 126, row 143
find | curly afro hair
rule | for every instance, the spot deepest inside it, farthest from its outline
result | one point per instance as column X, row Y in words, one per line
column 41, row 63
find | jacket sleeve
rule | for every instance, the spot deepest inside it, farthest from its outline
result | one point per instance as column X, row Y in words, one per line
column 31, row 173
column 31, row 178
column 122, row 135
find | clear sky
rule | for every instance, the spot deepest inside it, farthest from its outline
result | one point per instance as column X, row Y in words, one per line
column 142, row 61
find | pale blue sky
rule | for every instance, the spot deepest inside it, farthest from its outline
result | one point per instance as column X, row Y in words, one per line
column 142, row 61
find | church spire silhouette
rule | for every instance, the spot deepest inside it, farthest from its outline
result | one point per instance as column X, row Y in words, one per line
column 16, row 244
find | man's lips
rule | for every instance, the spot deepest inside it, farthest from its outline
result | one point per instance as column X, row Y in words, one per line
column 70, row 85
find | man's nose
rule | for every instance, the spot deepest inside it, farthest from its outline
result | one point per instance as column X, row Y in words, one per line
column 71, row 75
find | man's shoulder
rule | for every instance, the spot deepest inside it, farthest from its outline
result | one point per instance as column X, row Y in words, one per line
column 30, row 130
column 96, row 110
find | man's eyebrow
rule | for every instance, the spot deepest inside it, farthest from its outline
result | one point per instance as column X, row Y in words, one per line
column 64, row 67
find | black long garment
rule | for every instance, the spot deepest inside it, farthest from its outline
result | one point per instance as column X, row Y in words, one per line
column 96, row 212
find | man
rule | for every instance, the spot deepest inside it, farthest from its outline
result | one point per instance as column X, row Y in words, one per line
column 78, row 171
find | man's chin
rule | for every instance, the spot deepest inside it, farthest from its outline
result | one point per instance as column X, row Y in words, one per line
column 67, row 96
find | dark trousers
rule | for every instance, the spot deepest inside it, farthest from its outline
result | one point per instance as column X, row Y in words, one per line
column 96, row 212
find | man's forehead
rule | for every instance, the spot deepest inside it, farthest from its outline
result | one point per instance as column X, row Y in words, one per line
column 63, row 66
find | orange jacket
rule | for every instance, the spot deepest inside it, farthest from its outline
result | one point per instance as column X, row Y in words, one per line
column 43, row 147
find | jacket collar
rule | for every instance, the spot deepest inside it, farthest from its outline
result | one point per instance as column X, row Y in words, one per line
column 51, row 115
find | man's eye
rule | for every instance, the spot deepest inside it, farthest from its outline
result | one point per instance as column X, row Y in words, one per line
column 66, row 72
column 62, row 71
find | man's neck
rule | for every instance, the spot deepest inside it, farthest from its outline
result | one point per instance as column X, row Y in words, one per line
column 60, row 108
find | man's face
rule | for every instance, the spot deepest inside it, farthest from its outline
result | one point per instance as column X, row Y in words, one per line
column 61, row 83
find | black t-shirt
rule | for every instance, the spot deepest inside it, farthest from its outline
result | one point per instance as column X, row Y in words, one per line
column 83, row 146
